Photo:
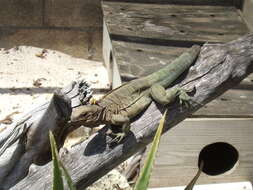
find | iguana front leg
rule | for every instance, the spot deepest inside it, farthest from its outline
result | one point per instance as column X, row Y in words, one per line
column 123, row 118
column 161, row 96
column 122, row 121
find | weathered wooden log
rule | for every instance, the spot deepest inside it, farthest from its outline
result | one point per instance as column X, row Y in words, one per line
column 27, row 141
column 218, row 68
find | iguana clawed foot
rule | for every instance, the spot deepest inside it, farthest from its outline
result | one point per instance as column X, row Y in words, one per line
column 122, row 121
column 161, row 96
column 184, row 98
column 118, row 137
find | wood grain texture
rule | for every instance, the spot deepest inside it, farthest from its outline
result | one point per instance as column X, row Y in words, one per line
column 218, row 68
column 107, row 49
column 177, row 158
column 136, row 60
column 26, row 141
column 233, row 103
column 76, row 13
column 171, row 24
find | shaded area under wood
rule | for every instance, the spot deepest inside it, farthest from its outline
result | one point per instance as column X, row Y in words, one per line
column 237, row 3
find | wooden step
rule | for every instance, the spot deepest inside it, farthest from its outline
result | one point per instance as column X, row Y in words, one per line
column 140, row 38
column 169, row 24
column 177, row 157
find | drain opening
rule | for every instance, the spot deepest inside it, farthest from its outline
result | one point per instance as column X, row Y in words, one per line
column 218, row 158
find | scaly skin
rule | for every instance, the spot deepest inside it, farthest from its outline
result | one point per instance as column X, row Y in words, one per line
column 122, row 104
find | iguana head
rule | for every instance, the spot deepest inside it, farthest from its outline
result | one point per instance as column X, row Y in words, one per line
column 87, row 115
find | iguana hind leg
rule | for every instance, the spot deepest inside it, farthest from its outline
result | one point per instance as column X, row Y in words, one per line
column 161, row 96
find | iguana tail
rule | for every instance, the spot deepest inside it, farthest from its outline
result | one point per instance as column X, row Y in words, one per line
column 173, row 70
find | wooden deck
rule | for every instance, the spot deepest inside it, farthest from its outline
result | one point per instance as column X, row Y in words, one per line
column 172, row 24
column 144, row 35
column 177, row 158
column 134, row 29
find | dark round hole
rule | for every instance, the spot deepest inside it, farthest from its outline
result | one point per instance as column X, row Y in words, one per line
column 122, row 9
column 221, row 34
column 139, row 50
column 212, row 15
column 182, row 31
column 218, row 158
column 173, row 15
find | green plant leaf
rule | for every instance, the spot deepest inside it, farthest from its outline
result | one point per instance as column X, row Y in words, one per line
column 57, row 175
column 143, row 180
column 58, row 165
column 67, row 177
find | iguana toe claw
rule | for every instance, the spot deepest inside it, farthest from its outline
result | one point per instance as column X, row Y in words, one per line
column 119, row 137
column 184, row 99
column 189, row 103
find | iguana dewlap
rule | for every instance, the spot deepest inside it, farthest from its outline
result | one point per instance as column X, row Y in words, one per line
column 122, row 104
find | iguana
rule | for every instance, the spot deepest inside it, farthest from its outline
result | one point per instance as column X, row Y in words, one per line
column 122, row 104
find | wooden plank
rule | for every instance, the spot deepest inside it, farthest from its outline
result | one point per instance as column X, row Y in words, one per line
column 107, row 51
column 220, row 186
column 233, row 103
column 177, row 157
column 116, row 76
column 236, row 3
column 172, row 24
column 137, row 60
column 248, row 13
column 78, row 13
column 26, row 13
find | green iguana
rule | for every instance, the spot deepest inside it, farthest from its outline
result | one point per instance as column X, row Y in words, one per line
column 122, row 104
